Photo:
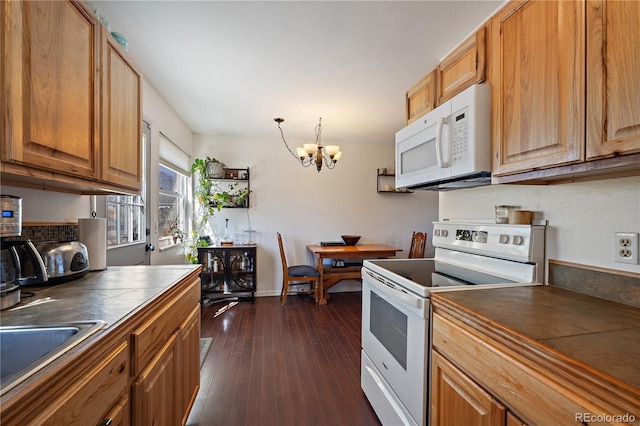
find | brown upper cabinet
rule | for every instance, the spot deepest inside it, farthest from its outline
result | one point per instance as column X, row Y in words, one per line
column 421, row 98
column 71, row 110
column 565, row 89
column 463, row 67
column 613, row 78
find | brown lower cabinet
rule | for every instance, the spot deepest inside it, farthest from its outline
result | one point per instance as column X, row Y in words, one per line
column 481, row 376
column 143, row 371
column 458, row 400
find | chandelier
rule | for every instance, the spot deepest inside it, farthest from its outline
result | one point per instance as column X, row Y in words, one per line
column 314, row 153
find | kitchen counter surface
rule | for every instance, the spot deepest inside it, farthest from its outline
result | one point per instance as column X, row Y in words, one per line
column 595, row 334
column 110, row 295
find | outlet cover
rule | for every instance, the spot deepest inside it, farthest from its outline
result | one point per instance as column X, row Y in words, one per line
column 626, row 247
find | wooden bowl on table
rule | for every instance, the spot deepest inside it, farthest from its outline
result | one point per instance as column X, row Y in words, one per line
column 350, row 240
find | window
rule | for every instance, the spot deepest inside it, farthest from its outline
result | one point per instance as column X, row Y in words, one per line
column 173, row 199
column 125, row 220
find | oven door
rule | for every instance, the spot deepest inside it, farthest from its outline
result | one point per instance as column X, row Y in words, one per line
column 395, row 343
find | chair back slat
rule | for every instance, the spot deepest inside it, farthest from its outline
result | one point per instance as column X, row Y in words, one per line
column 283, row 257
column 418, row 243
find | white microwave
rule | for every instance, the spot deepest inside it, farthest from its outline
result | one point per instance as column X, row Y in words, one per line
column 450, row 146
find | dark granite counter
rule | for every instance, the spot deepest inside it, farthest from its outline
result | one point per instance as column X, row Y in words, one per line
column 111, row 295
column 598, row 333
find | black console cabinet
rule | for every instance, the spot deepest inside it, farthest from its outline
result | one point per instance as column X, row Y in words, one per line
column 228, row 271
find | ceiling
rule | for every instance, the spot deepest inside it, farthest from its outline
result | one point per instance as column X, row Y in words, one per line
column 230, row 67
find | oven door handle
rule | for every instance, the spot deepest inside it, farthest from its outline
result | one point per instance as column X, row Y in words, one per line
column 400, row 295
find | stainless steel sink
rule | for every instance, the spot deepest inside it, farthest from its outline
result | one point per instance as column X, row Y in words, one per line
column 26, row 349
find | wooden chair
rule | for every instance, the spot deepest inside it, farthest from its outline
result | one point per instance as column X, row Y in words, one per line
column 418, row 241
column 296, row 275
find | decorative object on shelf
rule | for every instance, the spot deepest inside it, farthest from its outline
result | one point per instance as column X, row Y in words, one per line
column 226, row 240
column 122, row 40
column 312, row 153
column 215, row 168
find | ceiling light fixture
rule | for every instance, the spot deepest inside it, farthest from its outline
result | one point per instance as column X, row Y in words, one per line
column 312, row 153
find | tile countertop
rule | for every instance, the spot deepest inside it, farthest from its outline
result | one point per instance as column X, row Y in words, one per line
column 111, row 295
column 598, row 333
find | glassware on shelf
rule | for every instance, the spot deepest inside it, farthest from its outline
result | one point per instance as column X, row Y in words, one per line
column 249, row 236
column 226, row 239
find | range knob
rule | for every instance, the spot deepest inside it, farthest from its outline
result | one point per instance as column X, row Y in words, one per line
column 436, row 232
column 517, row 240
column 444, row 233
column 503, row 239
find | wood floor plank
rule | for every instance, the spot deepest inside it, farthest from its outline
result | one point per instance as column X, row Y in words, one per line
column 272, row 365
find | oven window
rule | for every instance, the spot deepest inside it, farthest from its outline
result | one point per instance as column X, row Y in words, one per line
column 389, row 325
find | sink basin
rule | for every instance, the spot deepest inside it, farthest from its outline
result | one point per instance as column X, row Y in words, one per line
column 28, row 348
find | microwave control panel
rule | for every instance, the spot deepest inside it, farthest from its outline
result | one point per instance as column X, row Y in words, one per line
column 460, row 137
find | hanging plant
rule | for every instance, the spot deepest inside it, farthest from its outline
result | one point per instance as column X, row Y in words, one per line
column 207, row 202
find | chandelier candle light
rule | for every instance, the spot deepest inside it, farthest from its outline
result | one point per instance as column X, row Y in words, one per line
column 312, row 153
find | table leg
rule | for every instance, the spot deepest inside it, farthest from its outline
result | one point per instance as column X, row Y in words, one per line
column 320, row 299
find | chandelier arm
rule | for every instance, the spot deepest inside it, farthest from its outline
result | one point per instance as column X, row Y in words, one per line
column 330, row 164
column 289, row 149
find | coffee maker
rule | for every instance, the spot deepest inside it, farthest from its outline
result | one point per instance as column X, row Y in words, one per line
column 20, row 262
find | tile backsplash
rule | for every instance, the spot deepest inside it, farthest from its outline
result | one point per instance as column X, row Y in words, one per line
column 39, row 234
column 598, row 282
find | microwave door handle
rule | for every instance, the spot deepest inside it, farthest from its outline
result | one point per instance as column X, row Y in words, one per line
column 441, row 163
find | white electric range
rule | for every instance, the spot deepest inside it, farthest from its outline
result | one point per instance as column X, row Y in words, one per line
column 396, row 309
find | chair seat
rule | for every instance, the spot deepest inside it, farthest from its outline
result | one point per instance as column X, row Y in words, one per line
column 302, row 271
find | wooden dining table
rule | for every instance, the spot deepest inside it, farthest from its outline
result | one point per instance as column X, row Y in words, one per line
column 351, row 257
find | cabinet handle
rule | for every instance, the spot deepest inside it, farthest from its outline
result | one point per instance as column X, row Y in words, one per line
column 105, row 422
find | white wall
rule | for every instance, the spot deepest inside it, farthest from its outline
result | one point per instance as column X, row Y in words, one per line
column 308, row 207
column 582, row 216
column 46, row 206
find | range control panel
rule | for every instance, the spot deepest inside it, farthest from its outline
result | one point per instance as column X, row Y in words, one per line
column 523, row 243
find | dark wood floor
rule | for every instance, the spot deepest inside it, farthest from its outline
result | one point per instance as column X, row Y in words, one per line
column 292, row 365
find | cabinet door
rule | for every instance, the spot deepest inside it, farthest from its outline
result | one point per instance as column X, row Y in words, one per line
column 51, row 87
column 189, row 362
column 457, row 400
column 122, row 119
column 241, row 269
column 421, row 98
column 94, row 397
column 464, row 67
column 613, row 82
column 538, row 85
column 154, row 391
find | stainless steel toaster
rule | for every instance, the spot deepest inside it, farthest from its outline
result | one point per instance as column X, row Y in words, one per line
column 64, row 260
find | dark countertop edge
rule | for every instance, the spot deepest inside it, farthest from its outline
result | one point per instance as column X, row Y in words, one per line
column 555, row 362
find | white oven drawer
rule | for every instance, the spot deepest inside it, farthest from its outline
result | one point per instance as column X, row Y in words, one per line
column 384, row 401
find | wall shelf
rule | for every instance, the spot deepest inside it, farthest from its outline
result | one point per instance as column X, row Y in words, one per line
column 235, row 180
column 386, row 182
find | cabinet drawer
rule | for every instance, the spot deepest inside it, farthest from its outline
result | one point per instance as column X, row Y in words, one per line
column 149, row 338
column 525, row 388
column 94, row 397
column 120, row 414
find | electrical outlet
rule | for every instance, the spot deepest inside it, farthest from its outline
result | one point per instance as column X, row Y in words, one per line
column 626, row 247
